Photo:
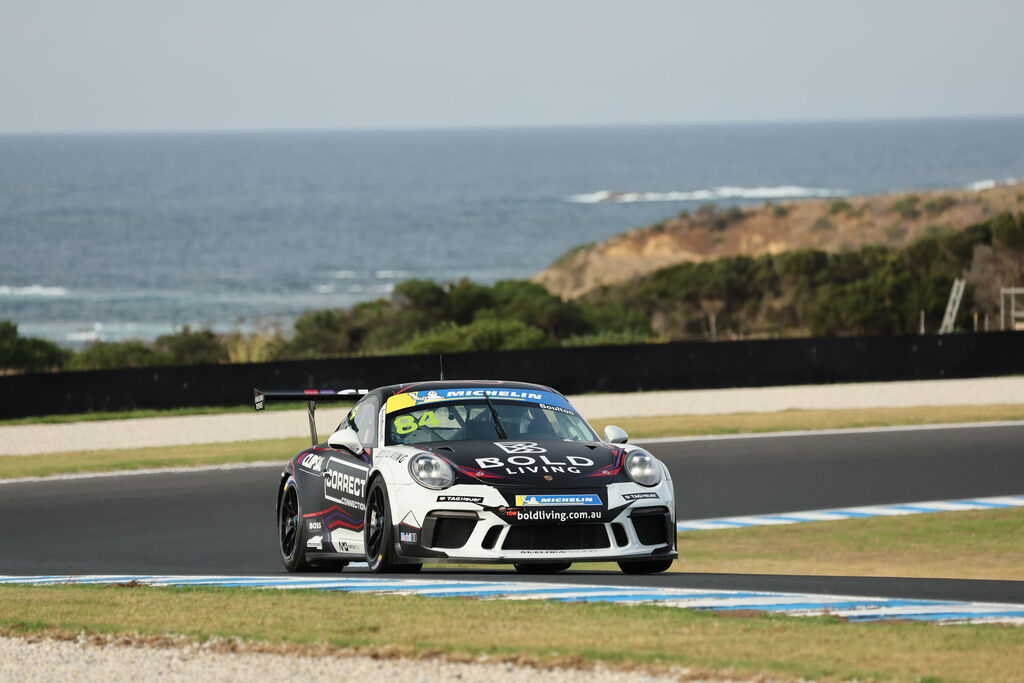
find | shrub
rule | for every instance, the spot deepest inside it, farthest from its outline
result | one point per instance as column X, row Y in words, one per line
column 111, row 355
column 193, row 348
column 780, row 210
column 1009, row 231
column 822, row 224
column 489, row 334
column 28, row 354
column 907, row 206
column 933, row 207
column 839, row 206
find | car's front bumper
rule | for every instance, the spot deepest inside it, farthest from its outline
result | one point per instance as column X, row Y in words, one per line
column 441, row 531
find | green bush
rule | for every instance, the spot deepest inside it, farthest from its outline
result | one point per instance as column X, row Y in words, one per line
column 1009, row 231
column 193, row 348
column 488, row 334
column 933, row 207
column 111, row 355
column 780, row 210
column 907, row 206
column 28, row 354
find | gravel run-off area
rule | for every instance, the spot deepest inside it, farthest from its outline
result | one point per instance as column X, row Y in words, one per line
column 174, row 431
column 108, row 659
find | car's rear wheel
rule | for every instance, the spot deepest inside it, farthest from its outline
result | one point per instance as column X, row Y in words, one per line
column 645, row 566
column 291, row 532
column 541, row 567
column 380, row 546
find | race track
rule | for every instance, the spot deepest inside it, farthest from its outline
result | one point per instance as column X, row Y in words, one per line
column 222, row 522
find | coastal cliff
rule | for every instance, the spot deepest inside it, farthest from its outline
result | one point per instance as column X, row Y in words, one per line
column 830, row 225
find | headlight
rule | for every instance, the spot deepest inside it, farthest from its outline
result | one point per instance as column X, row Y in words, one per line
column 431, row 471
column 643, row 468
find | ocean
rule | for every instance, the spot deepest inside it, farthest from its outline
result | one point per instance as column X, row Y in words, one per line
column 131, row 236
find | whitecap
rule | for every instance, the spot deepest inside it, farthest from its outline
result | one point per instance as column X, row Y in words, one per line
column 989, row 183
column 724, row 192
column 325, row 289
column 33, row 290
column 391, row 274
column 345, row 274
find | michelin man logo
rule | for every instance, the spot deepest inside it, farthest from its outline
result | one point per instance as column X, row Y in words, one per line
column 519, row 447
column 428, row 398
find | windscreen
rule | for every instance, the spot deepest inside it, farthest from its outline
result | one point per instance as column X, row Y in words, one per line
column 473, row 419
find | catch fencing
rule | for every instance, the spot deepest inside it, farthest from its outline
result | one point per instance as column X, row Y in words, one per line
column 679, row 365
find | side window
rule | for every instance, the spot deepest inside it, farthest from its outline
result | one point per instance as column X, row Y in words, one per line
column 364, row 419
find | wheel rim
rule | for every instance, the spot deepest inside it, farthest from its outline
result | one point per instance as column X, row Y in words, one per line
column 375, row 528
column 289, row 521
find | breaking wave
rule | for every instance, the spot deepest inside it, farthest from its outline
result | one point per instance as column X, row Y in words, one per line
column 33, row 290
column 779, row 192
column 989, row 183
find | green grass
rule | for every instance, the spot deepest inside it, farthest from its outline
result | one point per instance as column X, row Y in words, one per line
column 638, row 427
column 140, row 458
column 168, row 412
column 799, row 420
column 741, row 645
column 976, row 544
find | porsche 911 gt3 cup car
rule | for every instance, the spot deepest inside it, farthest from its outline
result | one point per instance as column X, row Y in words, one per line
column 470, row 471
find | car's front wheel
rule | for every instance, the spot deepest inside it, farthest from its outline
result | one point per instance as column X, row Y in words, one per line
column 645, row 566
column 291, row 532
column 541, row 567
column 380, row 546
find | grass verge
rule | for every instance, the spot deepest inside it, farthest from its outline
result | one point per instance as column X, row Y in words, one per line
column 169, row 412
column 545, row 632
column 639, row 428
column 976, row 544
column 798, row 420
column 72, row 462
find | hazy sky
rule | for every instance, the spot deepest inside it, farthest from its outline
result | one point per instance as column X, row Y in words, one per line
column 107, row 65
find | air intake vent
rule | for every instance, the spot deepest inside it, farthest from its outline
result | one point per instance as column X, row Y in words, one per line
column 556, row 537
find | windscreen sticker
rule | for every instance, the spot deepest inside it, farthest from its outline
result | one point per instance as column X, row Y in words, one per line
column 415, row 398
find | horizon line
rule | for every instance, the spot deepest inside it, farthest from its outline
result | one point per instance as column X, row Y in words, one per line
column 442, row 128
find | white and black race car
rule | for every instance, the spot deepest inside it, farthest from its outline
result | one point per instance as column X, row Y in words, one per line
column 470, row 471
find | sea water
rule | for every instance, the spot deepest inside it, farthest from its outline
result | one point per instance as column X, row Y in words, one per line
column 132, row 236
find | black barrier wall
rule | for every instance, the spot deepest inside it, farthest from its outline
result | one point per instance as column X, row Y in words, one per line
column 683, row 365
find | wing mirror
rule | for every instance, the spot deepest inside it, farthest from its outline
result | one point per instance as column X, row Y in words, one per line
column 346, row 438
column 613, row 434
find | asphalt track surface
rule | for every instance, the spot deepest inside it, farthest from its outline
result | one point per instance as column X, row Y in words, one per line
column 222, row 522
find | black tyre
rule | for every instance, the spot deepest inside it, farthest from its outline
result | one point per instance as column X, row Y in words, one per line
column 380, row 546
column 291, row 532
column 541, row 567
column 645, row 566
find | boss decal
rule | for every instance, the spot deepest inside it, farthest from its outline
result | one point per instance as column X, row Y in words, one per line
column 527, row 464
column 516, row 447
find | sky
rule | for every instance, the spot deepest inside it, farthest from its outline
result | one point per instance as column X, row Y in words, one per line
column 183, row 65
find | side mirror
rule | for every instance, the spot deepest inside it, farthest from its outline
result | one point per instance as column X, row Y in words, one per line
column 346, row 438
column 613, row 434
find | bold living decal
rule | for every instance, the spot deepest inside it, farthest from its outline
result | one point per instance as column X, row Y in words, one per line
column 526, row 464
column 557, row 500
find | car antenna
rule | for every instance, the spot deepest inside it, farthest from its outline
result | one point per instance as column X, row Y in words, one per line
column 440, row 362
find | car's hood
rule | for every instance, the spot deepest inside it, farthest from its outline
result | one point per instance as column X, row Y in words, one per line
column 543, row 463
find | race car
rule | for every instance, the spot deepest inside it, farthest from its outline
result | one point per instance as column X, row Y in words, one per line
column 471, row 472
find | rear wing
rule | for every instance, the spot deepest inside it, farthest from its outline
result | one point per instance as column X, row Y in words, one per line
column 310, row 396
